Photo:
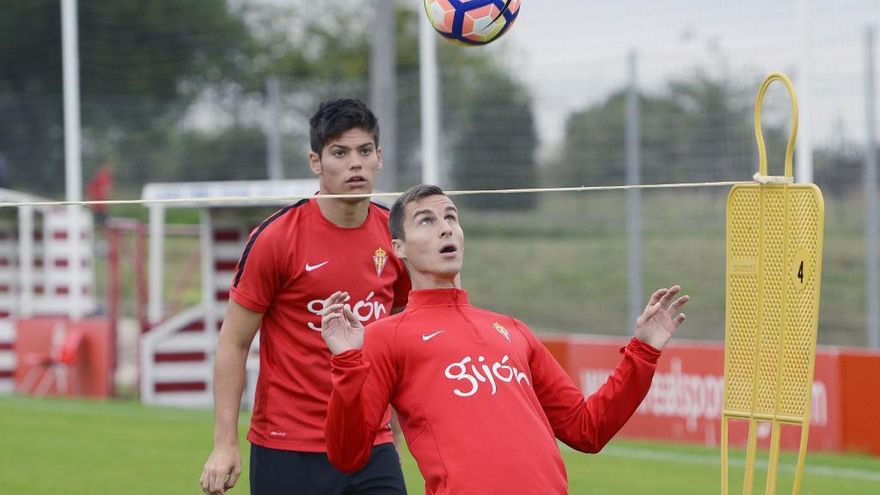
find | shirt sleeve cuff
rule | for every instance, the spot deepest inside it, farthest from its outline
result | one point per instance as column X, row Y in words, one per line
column 348, row 359
column 247, row 302
column 643, row 350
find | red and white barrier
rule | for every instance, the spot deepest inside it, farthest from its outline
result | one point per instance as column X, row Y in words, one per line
column 177, row 354
column 8, row 301
column 65, row 288
column 46, row 269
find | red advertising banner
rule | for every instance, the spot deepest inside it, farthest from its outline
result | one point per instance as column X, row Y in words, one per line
column 859, row 372
column 687, row 395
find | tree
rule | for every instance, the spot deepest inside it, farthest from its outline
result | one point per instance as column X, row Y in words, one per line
column 699, row 129
column 718, row 142
column 840, row 168
column 487, row 126
column 149, row 69
column 594, row 151
column 141, row 64
column 495, row 141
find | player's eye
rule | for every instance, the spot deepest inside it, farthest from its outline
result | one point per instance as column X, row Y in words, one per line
column 339, row 153
column 426, row 220
column 452, row 218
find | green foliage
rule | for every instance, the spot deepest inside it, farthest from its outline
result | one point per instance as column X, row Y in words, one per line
column 304, row 39
column 699, row 129
column 145, row 65
column 225, row 156
column 141, row 65
column 150, row 53
column 594, row 152
column 487, row 123
column 841, row 170
column 495, row 153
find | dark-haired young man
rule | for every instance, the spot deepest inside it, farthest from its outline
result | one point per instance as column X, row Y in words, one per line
column 481, row 401
column 292, row 260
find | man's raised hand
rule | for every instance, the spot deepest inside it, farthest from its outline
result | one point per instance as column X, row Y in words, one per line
column 661, row 317
column 340, row 328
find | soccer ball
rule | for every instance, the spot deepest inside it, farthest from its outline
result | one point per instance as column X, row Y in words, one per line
column 472, row 22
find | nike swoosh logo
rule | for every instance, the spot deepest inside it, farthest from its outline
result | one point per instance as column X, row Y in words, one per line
column 315, row 267
column 427, row 337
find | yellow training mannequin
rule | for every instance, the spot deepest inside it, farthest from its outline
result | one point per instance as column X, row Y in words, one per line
column 774, row 268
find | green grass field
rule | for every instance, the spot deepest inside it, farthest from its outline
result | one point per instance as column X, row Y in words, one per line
column 81, row 447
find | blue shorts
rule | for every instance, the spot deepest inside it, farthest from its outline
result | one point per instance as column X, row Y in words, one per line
column 282, row 472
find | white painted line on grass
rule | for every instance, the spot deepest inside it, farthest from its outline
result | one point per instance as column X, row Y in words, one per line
column 666, row 456
column 116, row 409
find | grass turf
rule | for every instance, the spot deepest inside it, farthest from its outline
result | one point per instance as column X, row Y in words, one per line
column 51, row 446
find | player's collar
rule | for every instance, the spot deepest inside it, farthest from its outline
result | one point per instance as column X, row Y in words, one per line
column 437, row 297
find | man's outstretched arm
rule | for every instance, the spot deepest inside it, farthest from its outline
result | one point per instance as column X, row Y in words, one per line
column 589, row 424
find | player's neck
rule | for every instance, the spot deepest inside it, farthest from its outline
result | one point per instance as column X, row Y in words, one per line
column 344, row 213
column 434, row 281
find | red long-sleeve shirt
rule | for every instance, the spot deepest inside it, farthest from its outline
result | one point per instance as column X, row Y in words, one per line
column 480, row 399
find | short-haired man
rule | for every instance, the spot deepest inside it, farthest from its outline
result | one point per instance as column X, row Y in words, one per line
column 290, row 263
column 480, row 400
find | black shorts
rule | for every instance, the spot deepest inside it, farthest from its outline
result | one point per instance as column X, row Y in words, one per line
column 282, row 472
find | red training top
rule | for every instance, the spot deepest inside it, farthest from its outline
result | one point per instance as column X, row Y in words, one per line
column 479, row 398
column 293, row 261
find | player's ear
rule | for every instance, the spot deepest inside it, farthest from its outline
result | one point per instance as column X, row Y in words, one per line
column 399, row 248
column 315, row 163
column 379, row 156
